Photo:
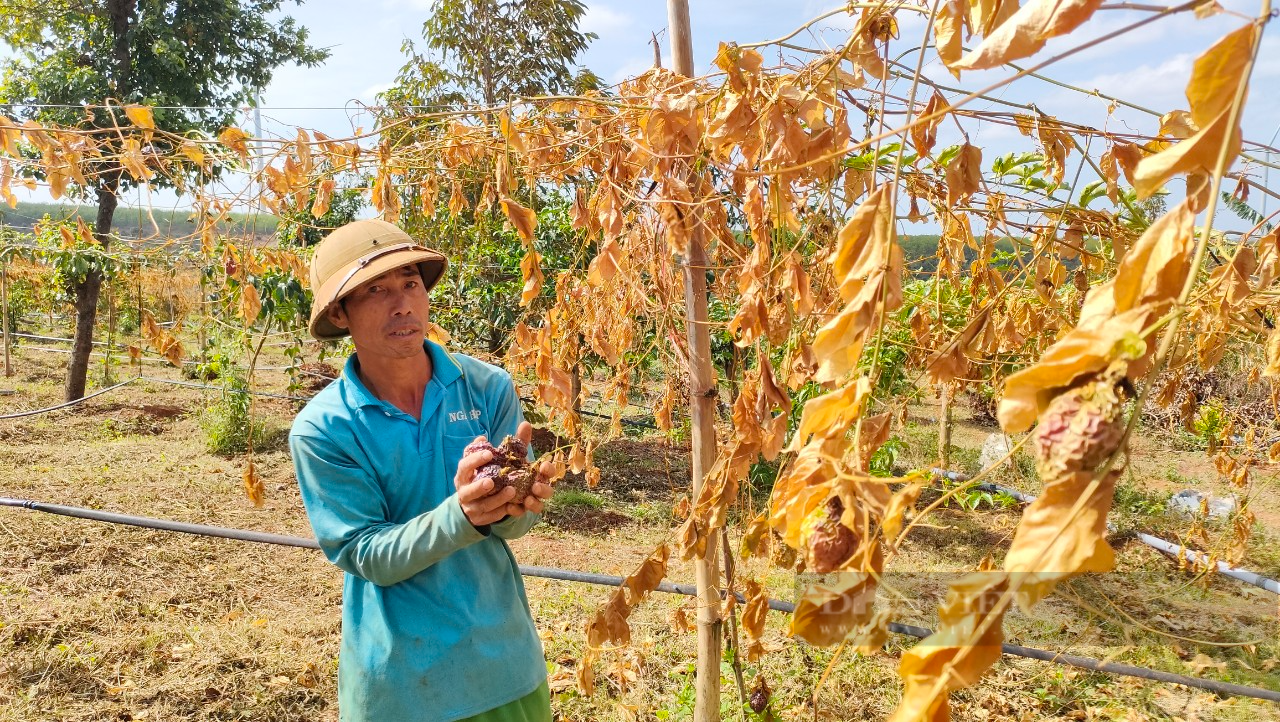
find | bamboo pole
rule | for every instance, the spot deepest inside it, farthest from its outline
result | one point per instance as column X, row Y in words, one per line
column 702, row 398
column 944, row 428
column 4, row 302
column 111, row 327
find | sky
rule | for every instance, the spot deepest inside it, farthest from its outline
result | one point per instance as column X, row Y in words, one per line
column 1149, row 67
column 366, row 53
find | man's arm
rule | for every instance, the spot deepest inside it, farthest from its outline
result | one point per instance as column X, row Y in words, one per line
column 349, row 517
column 507, row 417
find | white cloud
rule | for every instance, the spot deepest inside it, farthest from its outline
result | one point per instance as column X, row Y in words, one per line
column 1160, row 87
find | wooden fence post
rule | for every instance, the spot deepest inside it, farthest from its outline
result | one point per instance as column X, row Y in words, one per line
column 4, row 301
column 702, row 405
column 944, row 429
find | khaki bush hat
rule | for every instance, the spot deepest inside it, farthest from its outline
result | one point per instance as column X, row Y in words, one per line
column 359, row 252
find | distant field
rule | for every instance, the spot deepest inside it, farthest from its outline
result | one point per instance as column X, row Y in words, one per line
column 137, row 222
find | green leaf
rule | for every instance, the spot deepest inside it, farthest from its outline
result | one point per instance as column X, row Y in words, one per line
column 948, row 154
column 1092, row 192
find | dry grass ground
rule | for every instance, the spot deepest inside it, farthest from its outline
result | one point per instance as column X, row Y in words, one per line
column 101, row 622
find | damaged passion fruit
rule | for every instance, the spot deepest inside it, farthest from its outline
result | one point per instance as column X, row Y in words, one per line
column 509, row 466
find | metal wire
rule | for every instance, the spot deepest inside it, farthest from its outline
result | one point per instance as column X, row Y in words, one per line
column 82, row 399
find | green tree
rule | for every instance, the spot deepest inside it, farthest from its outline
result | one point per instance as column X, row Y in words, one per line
column 300, row 228
column 195, row 60
column 487, row 52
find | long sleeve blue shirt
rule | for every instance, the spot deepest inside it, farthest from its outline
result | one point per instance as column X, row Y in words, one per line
column 435, row 622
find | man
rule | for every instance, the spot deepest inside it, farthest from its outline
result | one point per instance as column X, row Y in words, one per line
column 435, row 622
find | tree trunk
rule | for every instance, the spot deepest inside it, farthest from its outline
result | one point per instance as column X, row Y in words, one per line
column 87, row 292
column 121, row 13
column 495, row 337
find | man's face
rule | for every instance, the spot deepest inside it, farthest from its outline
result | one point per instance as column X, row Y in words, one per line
column 387, row 316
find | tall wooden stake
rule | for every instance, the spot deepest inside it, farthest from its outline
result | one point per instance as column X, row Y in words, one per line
column 702, row 404
column 4, row 301
column 944, row 429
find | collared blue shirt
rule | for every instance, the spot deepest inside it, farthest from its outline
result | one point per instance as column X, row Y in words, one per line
column 435, row 622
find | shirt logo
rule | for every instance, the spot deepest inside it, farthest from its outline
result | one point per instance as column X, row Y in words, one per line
column 473, row 414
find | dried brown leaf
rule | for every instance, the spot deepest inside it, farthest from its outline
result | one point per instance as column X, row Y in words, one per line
column 253, row 487
column 827, row 614
column 524, row 220
column 1026, row 31
column 967, row 642
column 1215, row 82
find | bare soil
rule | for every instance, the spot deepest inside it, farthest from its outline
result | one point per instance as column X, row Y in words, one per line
column 101, row 622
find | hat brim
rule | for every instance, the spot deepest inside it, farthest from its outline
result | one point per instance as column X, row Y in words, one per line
column 430, row 263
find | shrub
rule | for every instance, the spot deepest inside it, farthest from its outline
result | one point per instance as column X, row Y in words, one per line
column 227, row 423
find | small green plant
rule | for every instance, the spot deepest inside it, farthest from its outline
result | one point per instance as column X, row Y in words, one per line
column 682, row 706
column 1132, row 500
column 566, row 500
column 886, row 457
column 1005, row 500
column 23, row 299
column 1176, row 477
column 227, row 424
column 215, row 363
column 652, row 512
column 1209, row 422
column 111, row 429
column 973, row 499
column 761, row 478
column 965, row 460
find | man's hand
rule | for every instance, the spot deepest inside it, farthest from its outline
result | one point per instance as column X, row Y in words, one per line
column 478, row 501
column 541, row 490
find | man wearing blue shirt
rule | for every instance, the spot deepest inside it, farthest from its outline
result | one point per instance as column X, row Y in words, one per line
column 435, row 623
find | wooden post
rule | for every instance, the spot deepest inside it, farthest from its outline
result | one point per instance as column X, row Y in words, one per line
column 944, row 429
column 681, row 37
column 575, row 380
column 702, row 405
column 4, row 301
column 111, row 329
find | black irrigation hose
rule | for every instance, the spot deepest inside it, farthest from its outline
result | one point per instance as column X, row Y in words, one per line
column 161, row 524
column 1096, row 665
column 66, row 404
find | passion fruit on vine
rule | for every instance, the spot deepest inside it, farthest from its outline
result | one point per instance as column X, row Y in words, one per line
column 832, row 543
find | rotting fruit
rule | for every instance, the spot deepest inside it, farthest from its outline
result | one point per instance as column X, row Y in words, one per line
column 509, row 466
column 832, row 543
